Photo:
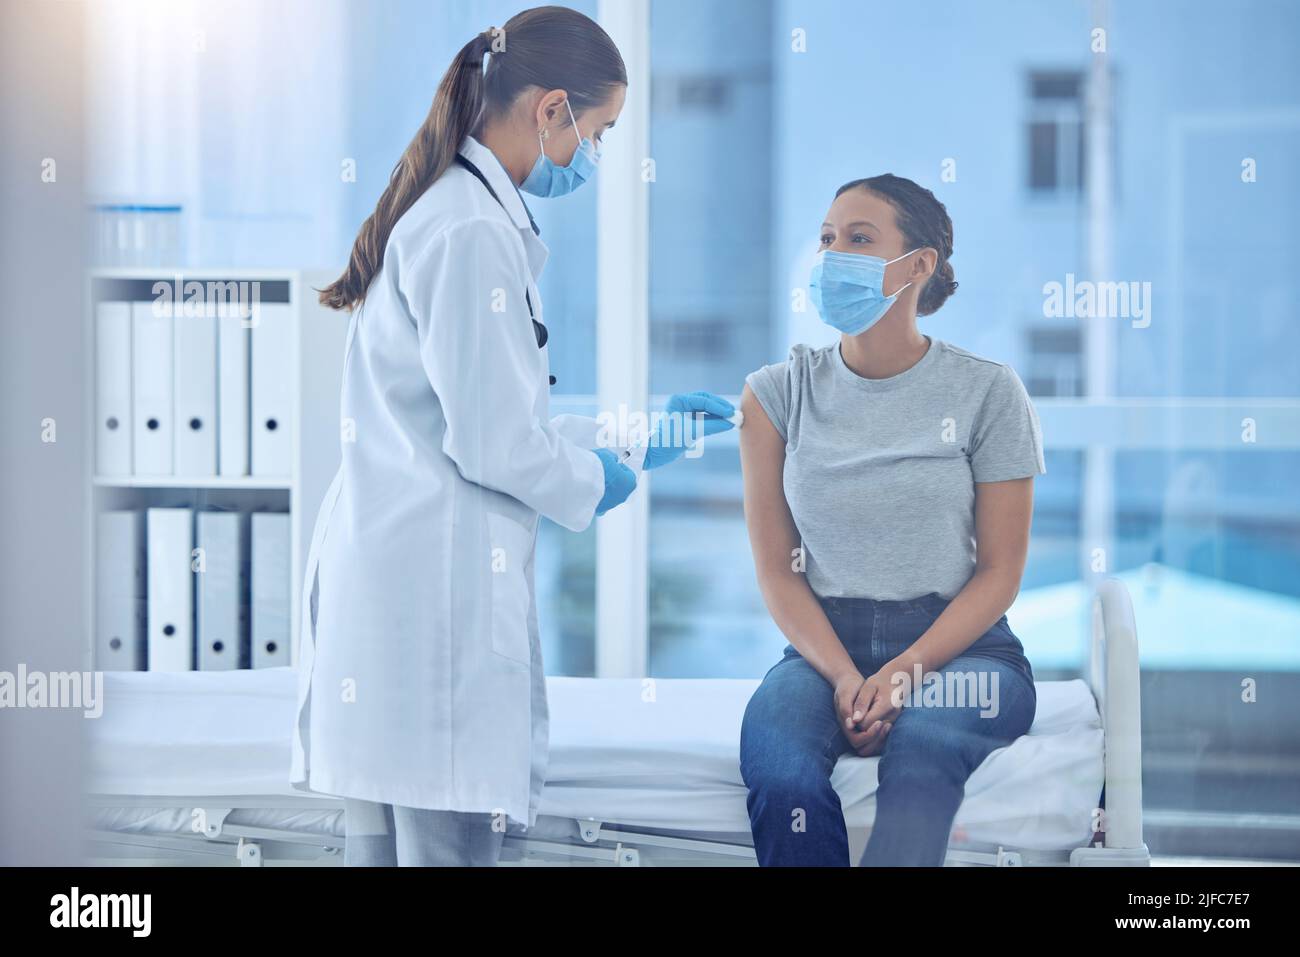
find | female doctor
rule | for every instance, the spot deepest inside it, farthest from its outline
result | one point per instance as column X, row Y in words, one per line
column 421, row 699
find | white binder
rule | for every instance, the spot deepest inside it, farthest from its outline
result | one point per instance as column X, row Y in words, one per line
column 219, row 588
column 151, row 366
column 232, row 394
column 119, row 592
column 113, row 388
column 171, row 610
column 272, row 412
column 269, row 589
column 194, row 336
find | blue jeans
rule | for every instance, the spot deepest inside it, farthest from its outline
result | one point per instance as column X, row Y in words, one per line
column 792, row 736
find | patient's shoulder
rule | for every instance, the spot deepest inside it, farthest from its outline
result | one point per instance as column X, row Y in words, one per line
column 805, row 360
column 804, row 353
column 970, row 361
column 778, row 386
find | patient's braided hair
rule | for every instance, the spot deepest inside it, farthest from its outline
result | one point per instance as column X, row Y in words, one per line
column 923, row 221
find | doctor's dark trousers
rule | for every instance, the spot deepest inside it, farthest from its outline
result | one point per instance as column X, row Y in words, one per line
column 792, row 737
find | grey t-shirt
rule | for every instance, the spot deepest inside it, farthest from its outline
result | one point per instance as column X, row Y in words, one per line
column 880, row 473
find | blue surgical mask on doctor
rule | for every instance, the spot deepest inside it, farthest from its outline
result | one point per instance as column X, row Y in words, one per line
column 547, row 179
column 848, row 290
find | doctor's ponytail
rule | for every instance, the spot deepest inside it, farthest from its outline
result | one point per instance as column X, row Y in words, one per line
column 553, row 48
column 454, row 110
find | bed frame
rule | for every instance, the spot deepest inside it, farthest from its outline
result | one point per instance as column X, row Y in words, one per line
column 1113, row 676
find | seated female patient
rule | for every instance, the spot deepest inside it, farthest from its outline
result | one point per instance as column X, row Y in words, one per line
column 888, row 493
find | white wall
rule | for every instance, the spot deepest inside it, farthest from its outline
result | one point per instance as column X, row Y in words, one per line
column 236, row 110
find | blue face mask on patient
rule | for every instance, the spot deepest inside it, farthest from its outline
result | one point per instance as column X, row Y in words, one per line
column 848, row 290
column 548, row 180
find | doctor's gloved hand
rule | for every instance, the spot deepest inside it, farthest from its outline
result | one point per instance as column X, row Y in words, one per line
column 680, row 425
column 620, row 481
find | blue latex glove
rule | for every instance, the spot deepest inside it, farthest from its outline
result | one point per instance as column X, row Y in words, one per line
column 620, row 481
column 679, row 427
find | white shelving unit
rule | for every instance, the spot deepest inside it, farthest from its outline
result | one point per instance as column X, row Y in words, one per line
column 315, row 371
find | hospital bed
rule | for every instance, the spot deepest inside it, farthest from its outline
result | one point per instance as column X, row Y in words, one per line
column 192, row 767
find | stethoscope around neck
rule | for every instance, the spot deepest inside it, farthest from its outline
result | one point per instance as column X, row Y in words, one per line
column 539, row 330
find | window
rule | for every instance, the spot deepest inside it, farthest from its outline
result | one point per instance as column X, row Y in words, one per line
column 1054, row 134
column 711, row 288
column 1155, row 486
column 1054, row 361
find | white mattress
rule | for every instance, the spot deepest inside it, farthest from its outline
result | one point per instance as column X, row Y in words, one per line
column 657, row 754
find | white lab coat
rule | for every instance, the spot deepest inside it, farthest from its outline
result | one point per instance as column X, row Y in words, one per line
column 420, row 671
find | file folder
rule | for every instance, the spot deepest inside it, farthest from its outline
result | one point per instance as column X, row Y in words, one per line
column 269, row 589
column 113, row 388
column 194, row 358
column 169, row 533
column 232, row 394
column 151, row 368
column 220, row 590
column 272, row 392
column 119, row 592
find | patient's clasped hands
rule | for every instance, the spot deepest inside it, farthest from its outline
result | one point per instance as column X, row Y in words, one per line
column 867, row 713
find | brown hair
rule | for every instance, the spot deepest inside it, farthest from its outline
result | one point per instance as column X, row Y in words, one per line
column 923, row 221
column 554, row 48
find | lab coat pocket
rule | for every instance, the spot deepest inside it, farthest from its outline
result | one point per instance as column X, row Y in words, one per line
column 511, row 545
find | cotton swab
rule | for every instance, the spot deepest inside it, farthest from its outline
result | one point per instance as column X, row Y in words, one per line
column 737, row 420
